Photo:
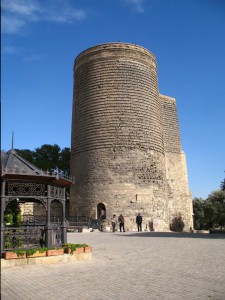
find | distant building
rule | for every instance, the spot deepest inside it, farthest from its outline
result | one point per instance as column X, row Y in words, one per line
column 126, row 152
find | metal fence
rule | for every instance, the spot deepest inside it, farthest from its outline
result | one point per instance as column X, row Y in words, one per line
column 83, row 221
column 23, row 237
column 29, row 237
column 74, row 221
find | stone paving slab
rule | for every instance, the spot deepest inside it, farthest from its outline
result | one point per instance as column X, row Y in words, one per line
column 128, row 266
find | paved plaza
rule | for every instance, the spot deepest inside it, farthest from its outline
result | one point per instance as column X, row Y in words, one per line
column 127, row 266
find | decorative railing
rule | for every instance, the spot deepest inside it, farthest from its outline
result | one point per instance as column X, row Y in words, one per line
column 56, row 174
column 23, row 237
column 83, row 221
column 75, row 221
column 29, row 237
column 30, row 220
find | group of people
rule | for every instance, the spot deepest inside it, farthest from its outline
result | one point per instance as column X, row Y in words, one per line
column 121, row 222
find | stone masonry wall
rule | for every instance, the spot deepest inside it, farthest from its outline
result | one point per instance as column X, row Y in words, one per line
column 117, row 136
column 179, row 196
column 125, row 144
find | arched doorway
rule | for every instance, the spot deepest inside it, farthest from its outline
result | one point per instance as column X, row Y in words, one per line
column 101, row 211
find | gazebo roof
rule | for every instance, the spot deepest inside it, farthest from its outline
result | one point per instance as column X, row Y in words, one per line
column 15, row 167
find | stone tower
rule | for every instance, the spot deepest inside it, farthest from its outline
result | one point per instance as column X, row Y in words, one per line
column 126, row 153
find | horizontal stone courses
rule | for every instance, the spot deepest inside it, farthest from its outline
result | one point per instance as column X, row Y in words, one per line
column 148, row 138
column 124, row 87
column 116, row 63
column 115, row 115
column 173, row 150
column 137, row 104
column 91, row 141
column 124, row 98
column 117, row 87
column 98, row 147
column 169, row 113
column 122, row 127
column 116, row 47
column 138, row 76
column 100, row 76
column 170, row 116
column 94, row 117
column 104, row 73
column 112, row 128
column 114, row 111
column 171, row 127
column 114, row 88
column 113, row 76
column 137, row 57
column 112, row 131
column 169, row 109
column 116, row 57
column 135, row 145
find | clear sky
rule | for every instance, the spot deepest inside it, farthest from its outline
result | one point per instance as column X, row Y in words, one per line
column 41, row 39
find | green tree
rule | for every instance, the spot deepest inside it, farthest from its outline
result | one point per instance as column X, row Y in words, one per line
column 216, row 202
column 64, row 160
column 27, row 154
column 47, row 157
column 199, row 216
column 222, row 185
column 12, row 213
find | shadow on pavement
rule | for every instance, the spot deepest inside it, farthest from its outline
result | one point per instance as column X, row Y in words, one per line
column 173, row 235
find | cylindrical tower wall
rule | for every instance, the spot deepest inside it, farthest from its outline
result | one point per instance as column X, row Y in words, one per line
column 117, row 153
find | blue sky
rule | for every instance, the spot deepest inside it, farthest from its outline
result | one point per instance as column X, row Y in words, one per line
column 41, row 39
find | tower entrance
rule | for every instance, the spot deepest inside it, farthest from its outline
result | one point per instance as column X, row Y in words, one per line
column 101, row 211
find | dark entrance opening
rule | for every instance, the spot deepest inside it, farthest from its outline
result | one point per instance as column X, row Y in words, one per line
column 101, row 211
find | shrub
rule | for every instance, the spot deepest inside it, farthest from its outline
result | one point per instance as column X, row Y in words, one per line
column 177, row 224
column 73, row 247
column 19, row 252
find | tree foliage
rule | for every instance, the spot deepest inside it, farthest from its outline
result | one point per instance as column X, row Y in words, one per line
column 48, row 157
column 222, row 185
column 210, row 213
column 199, row 217
column 12, row 213
column 216, row 201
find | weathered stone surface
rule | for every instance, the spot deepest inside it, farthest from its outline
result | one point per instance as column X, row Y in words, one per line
column 126, row 150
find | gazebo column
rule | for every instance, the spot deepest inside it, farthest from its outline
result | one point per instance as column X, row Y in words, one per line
column 64, row 225
column 2, row 215
column 48, row 229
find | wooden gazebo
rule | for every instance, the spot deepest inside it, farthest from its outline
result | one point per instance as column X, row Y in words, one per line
column 24, row 182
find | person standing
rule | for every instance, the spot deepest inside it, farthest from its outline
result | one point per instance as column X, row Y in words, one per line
column 121, row 222
column 139, row 222
column 102, row 215
column 114, row 221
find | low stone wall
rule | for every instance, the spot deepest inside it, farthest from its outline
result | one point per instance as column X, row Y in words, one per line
column 65, row 258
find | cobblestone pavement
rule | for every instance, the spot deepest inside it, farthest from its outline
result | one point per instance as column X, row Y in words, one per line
column 128, row 266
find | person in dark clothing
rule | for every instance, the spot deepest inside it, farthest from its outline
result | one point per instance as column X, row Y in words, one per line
column 121, row 222
column 139, row 222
